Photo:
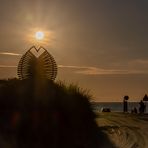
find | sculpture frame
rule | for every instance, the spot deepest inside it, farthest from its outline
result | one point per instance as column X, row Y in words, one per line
column 48, row 68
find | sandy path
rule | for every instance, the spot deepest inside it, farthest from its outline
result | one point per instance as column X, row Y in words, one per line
column 125, row 130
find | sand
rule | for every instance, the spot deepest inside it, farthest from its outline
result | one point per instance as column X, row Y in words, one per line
column 125, row 130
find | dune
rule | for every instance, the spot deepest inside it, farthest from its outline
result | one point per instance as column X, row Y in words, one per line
column 125, row 130
column 56, row 115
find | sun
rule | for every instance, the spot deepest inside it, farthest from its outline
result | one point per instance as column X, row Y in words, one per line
column 39, row 35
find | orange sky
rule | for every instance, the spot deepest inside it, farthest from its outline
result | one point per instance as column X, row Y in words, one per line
column 100, row 45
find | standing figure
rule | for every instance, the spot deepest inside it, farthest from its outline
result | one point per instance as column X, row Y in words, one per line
column 145, row 99
column 135, row 110
column 142, row 107
column 125, row 106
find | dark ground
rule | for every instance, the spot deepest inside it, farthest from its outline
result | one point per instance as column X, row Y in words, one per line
column 47, row 114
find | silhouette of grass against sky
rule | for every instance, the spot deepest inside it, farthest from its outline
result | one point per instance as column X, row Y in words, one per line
column 44, row 113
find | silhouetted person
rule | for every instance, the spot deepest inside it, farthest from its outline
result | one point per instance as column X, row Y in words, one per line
column 145, row 98
column 142, row 107
column 125, row 106
column 134, row 111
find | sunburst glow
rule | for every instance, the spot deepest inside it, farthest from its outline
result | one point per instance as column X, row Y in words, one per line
column 39, row 35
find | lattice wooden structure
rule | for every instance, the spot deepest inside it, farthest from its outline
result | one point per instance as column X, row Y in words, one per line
column 37, row 63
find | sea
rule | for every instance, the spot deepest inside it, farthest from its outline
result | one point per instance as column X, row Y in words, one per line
column 116, row 106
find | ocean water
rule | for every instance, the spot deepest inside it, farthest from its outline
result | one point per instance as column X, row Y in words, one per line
column 117, row 106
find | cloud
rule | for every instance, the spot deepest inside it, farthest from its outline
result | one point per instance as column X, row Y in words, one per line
column 7, row 66
column 100, row 71
column 138, row 64
column 139, row 61
column 90, row 70
column 83, row 70
column 72, row 66
column 10, row 53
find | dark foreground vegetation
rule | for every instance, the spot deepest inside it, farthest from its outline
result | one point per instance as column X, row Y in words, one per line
column 45, row 114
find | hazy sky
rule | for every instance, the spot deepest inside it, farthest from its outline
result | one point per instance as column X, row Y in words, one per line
column 101, row 45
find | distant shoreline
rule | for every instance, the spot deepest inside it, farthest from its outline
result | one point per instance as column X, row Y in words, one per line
column 116, row 106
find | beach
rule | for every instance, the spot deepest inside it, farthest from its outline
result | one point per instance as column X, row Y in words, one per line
column 117, row 106
column 125, row 130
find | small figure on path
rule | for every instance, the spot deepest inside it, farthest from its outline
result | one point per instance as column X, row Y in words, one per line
column 134, row 111
column 125, row 106
column 142, row 107
column 145, row 99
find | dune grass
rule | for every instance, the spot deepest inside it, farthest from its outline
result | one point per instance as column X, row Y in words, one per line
column 44, row 113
